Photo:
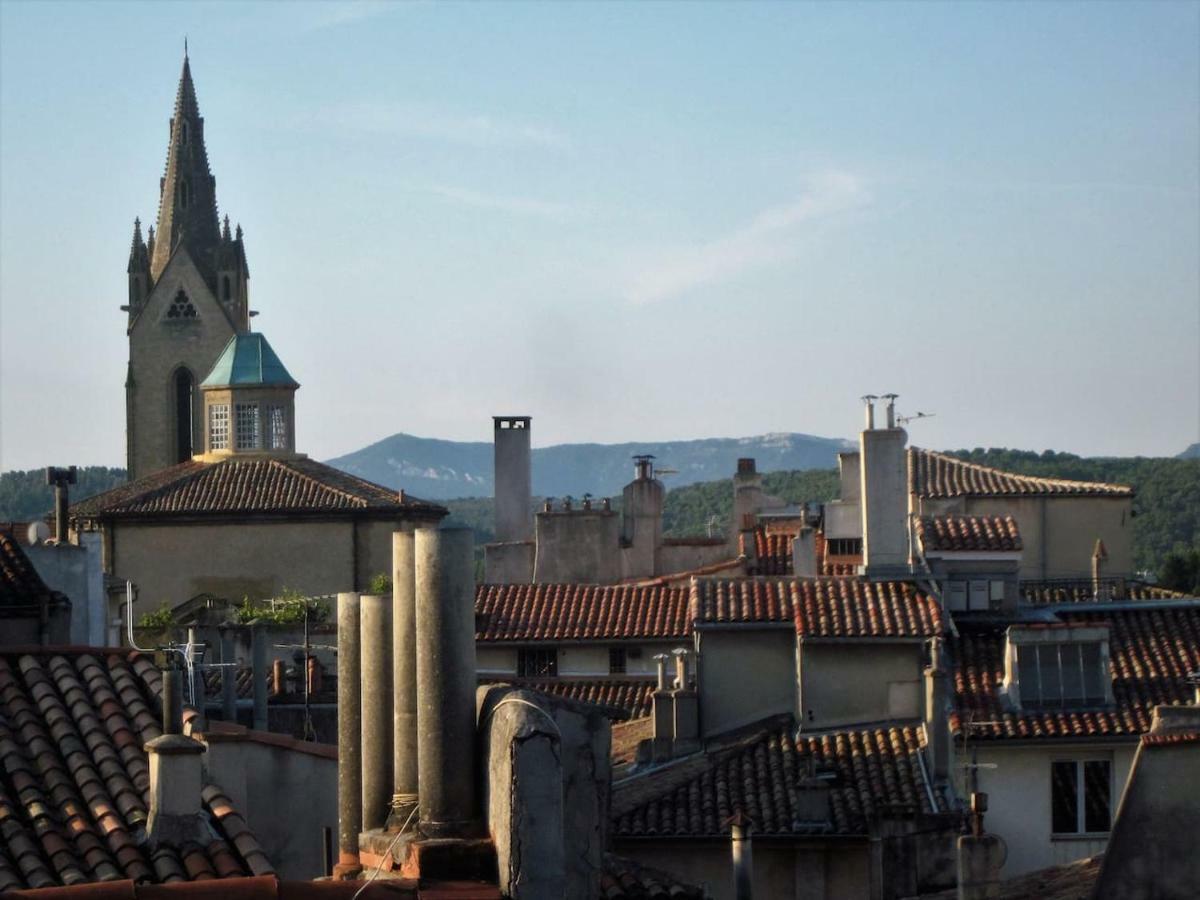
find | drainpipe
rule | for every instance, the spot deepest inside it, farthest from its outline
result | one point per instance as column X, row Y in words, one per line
column 445, row 575
column 404, row 678
column 375, row 648
column 349, row 734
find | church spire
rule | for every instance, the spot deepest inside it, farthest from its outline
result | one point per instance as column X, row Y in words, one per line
column 187, row 206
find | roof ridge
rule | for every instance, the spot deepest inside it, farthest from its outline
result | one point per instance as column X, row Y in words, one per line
column 1040, row 480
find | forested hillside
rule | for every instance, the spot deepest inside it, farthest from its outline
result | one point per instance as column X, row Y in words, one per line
column 24, row 494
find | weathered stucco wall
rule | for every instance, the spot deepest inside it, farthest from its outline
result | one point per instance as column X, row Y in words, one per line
column 745, row 675
column 286, row 795
column 848, row 684
column 171, row 563
column 684, row 557
column 577, row 547
column 1019, row 809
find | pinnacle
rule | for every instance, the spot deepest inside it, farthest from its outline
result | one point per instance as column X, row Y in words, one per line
column 225, row 230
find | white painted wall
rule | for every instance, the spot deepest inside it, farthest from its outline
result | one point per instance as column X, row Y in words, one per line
column 1018, row 790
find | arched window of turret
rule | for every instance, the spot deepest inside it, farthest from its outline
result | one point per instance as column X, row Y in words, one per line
column 225, row 288
column 184, row 390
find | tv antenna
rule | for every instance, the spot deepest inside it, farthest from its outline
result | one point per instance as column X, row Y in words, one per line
column 904, row 420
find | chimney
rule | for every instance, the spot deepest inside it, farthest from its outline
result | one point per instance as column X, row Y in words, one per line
column 685, row 720
column 349, row 718
column 804, row 553
column 1099, row 558
column 641, row 520
column 446, row 682
column 513, row 478
column 883, row 473
column 869, row 400
column 175, row 776
column 375, row 664
column 937, row 725
column 742, row 852
column 747, row 496
column 662, row 713
column 59, row 479
column 980, row 856
column 404, row 678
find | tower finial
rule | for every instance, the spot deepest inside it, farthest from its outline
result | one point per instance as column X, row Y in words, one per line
column 185, row 46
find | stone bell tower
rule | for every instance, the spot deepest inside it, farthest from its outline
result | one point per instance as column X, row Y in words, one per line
column 187, row 299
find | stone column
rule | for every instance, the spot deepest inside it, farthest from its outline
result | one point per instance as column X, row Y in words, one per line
column 228, row 675
column 349, row 734
column 375, row 628
column 404, row 677
column 258, row 663
column 446, row 680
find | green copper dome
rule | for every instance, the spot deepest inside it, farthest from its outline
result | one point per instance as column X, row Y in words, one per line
column 248, row 360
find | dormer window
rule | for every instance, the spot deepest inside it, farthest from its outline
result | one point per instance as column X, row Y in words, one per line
column 1060, row 667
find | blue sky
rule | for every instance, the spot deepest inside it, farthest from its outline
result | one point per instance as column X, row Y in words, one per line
column 631, row 221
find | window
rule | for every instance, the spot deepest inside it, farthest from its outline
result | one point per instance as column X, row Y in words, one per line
column 226, row 291
column 616, row 660
column 1081, row 796
column 537, row 663
column 181, row 307
column 247, row 426
column 218, row 426
column 277, row 427
column 844, row 547
column 183, row 415
column 185, row 193
column 1055, row 675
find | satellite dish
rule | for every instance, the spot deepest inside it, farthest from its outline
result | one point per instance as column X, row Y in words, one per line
column 37, row 532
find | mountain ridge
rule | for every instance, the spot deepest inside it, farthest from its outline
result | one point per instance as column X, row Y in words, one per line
column 437, row 469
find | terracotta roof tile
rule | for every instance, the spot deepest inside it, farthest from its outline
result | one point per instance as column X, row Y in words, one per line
column 630, row 694
column 579, row 612
column 254, row 485
column 772, row 552
column 763, row 777
column 626, row 879
column 969, row 534
column 819, row 607
column 1151, row 651
column 933, row 475
column 21, row 587
column 1084, row 591
column 73, row 775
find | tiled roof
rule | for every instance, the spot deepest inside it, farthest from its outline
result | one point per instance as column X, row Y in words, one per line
column 1070, row 881
column 819, row 607
column 1084, row 591
column 627, row 879
column 21, row 587
column 763, row 777
column 772, row 552
column 266, row 888
column 74, row 778
column 970, row 534
column 251, row 485
column 579, row 612
column 933, row 475
column 629, row 694
column 1152, row 651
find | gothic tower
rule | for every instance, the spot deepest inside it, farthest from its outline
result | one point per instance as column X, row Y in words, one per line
column 187, row 298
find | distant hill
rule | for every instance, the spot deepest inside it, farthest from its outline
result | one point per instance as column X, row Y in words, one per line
column 442, row 470
column 1192, row 452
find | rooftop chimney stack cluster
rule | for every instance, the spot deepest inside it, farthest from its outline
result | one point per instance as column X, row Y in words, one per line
column 406, row 699
column 674, row 710
column 59, row 479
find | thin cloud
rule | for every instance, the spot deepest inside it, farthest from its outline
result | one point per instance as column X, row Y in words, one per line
column 501, row 203
column 347, row 12
column 769, row 237
column 416, row 120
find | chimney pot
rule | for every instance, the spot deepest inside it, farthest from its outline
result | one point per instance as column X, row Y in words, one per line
column 681, row 667
column 660, row 661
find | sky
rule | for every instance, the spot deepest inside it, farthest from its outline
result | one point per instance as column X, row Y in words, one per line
column 629, row 221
